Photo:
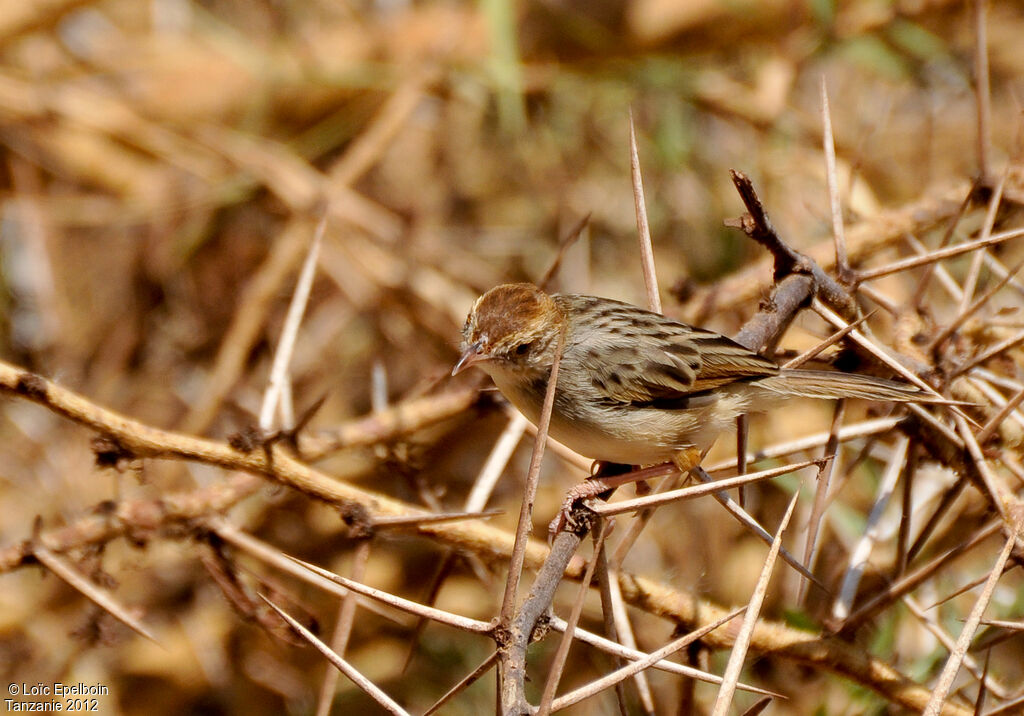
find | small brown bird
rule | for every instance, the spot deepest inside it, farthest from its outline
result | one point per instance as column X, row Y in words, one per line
column 635, row 387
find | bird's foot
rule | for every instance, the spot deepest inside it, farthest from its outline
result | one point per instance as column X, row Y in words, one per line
column 606, row 478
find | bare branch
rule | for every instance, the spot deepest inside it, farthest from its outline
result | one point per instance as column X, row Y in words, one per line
column 290, row 330
column 406, row 605
column 982, row 92
column 464, row 683
column 525, row 523
column 862, row 551
column 648, row 661
column 821, row 491
column 642, row 225
column 938, row 255
column 688, row 493
column 562, row 652
column 343, row 629
column 95, row 593
column 739, row 649
column 952, row 666
column 371, row 689
column 838, row 232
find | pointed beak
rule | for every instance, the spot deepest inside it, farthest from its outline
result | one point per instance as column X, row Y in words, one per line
column 469, row 357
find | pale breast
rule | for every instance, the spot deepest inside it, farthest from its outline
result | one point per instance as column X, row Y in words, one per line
column 620, row 434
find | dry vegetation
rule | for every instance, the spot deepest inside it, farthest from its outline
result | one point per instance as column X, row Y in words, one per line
column 166, row 167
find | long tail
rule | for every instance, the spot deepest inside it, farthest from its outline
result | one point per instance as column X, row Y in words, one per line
column 834, row 384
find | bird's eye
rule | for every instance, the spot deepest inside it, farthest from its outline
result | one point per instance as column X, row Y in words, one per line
column 523, row 348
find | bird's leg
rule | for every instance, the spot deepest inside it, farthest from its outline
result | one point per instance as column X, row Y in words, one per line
column 687, row 459
column 605, row 479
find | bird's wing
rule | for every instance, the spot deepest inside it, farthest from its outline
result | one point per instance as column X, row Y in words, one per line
column 637, row 356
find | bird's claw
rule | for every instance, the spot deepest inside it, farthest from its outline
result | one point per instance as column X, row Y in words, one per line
column 571, row 515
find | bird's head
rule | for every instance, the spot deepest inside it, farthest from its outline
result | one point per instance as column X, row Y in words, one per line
column 515, row 324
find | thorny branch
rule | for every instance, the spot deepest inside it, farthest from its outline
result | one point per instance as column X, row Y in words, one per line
column 125, row 440
column 797, row 280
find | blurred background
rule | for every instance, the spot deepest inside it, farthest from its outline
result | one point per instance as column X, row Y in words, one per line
column 164, row 164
